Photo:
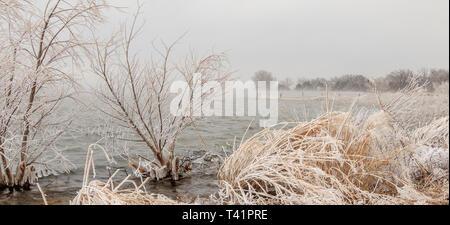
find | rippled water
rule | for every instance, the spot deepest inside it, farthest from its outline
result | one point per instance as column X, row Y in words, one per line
column 217, row 132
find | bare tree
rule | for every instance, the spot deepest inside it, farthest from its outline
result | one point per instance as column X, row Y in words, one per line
column 43, row 40
column 399, row 79
column 351, row 82
column 438, row 76
column 136, row 95
column 263, row 75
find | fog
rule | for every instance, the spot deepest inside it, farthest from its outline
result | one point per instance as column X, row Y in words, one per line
column 307, row 38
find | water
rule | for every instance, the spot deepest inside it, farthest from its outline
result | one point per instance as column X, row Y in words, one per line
column 219, row 133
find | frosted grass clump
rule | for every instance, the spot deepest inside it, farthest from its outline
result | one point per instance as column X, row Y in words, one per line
column 335, row 159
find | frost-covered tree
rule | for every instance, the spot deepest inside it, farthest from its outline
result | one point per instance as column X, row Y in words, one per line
column 438, row 76
column 263, row 75
column 351, row 82
column 135, row 92
column 40, row 41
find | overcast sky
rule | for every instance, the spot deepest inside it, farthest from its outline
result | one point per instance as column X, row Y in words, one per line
column 307, row 38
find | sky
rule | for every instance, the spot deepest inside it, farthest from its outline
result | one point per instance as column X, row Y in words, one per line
column 304, row 38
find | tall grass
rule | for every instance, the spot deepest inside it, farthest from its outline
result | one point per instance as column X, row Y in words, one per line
column 110, row 193
column 340, row 158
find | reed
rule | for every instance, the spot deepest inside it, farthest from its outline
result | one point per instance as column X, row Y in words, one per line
column 109, row 193
column 339, row 158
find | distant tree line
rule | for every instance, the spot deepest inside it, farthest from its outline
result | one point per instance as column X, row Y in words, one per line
column 394, row 81
column 399, row 79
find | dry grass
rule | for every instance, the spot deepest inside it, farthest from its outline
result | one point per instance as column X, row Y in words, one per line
column 335, row 159
column 108, row 193
column 99, row 193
